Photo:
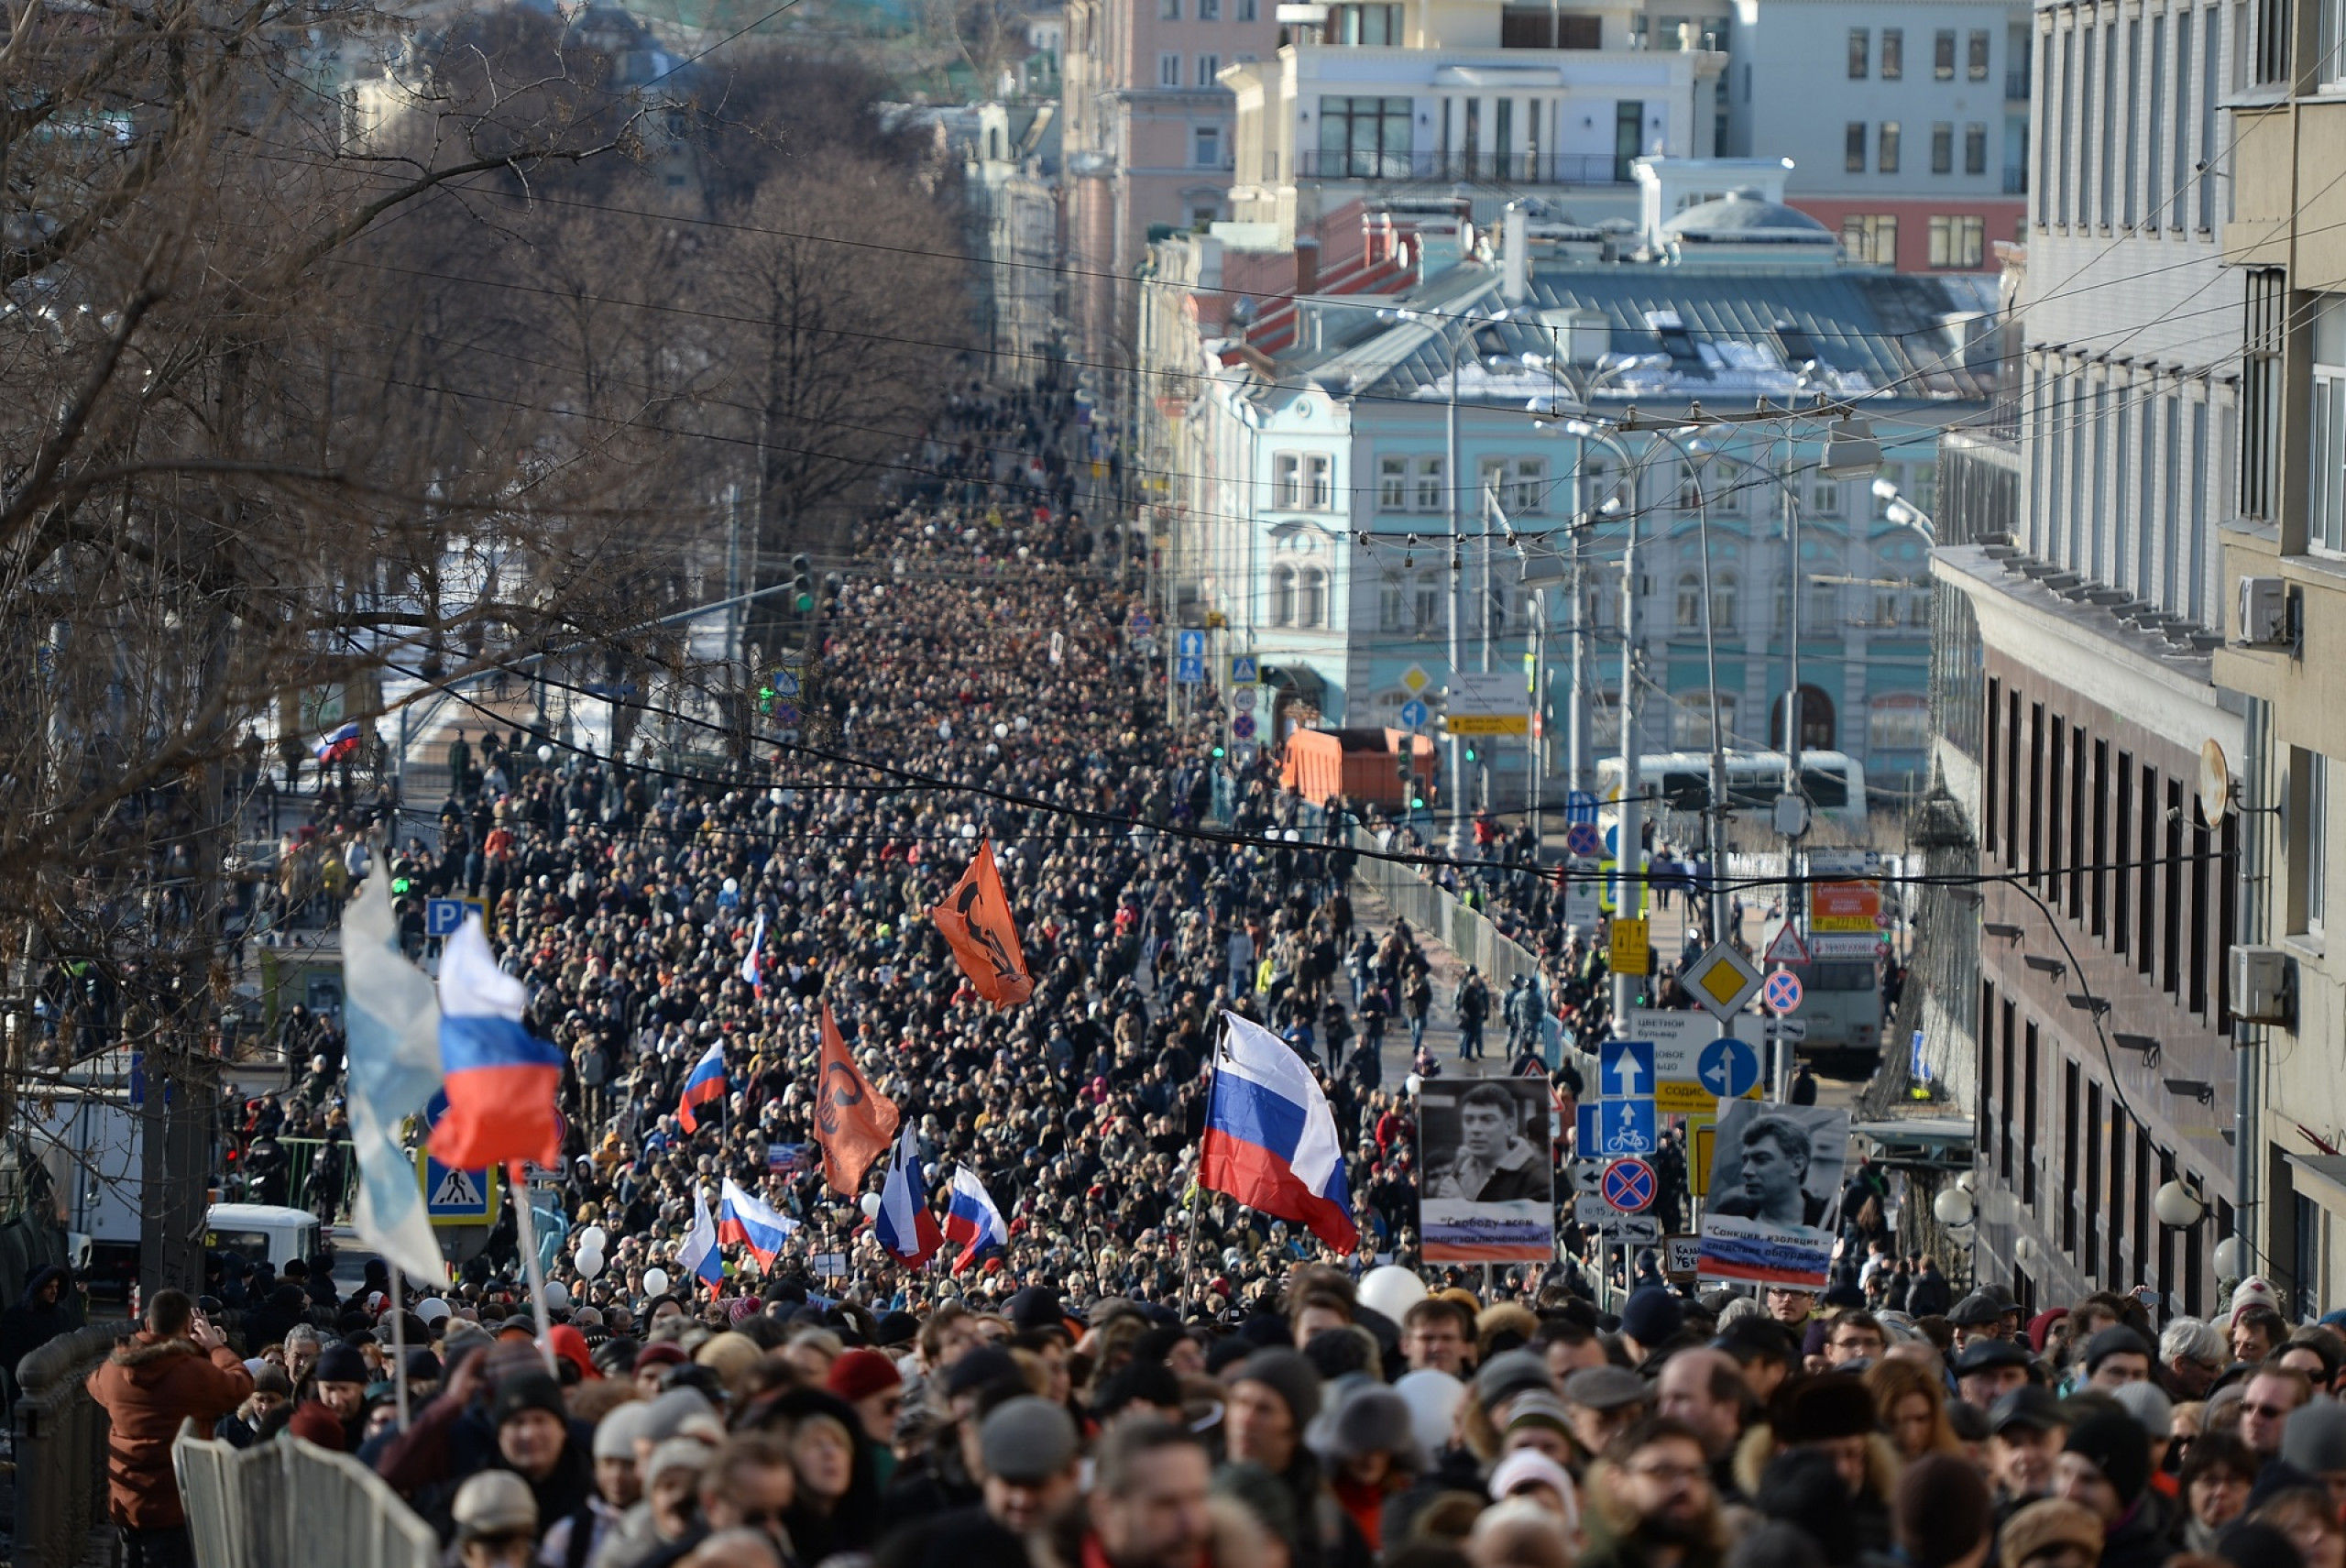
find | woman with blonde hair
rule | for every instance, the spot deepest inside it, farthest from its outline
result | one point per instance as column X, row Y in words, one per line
column 1913, row 1408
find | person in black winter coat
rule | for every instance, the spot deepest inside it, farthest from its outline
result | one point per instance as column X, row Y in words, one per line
column 45, row 1310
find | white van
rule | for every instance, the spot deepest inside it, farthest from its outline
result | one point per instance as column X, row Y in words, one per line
column 261, row 1232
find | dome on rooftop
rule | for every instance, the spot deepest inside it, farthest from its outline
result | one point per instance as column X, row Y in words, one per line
column 1747, row 217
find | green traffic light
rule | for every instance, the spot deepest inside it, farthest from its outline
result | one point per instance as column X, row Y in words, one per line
column 1417, row 803
column 399, row 886
column 805, row 603
column 1217, row 751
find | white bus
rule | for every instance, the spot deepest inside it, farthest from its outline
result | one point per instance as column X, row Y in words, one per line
column 1834, row 782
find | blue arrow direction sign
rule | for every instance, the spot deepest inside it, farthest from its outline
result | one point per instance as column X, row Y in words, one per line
column 1189, row 645
column 1625, row 1070
column 1628, row 1128
column 1414, row 714
column 1728, row 1067
column 1580, row 806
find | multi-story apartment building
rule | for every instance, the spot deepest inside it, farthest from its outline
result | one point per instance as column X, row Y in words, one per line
column 1922, row 163
column 1148, row 139
column 2285, row 558
column 2105, row 1070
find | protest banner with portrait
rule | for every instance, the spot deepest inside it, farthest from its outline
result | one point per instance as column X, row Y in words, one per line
column 1775, row 1193
column 1488, row 1179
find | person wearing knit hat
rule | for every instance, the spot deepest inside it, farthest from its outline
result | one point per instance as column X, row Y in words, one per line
column 2314, row 1441
column 618, row 1486
column 2105, row 1466
column 1369, row 1448
column 1508, row 1374
column 1539, row 1422
column 2051, row 1533
column 1528, row 1473
column 1273, row 1398
column 335, row 1411
column 2115, row 1358
column 1649, row 1317
column 868, row 1380
column 1940, row 1515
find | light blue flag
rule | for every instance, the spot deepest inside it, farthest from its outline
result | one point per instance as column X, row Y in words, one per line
column 391, row 1013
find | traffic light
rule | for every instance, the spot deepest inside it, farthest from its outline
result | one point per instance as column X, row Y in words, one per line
column 1218, row 750
column 765, row 696
column 1470, row 750
column 802, row 584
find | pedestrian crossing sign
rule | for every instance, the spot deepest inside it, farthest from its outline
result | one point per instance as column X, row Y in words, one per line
column 453, row 1197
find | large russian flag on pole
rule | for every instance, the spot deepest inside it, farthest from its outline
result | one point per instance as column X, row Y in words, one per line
column 753, row 972
column 904, row 1225
column 699, row 1252
column 1270, row 1138
column 704, row 1084
column 744, row 1220
column 973, row 1220
column 500, row 1078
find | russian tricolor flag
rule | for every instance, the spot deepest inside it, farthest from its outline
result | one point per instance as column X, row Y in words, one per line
column 338, row 744
column 753, row 966
column 973, row 1220
column 1270, row 1138
column 500, row 1078
column 904, row 1225
column 699, row 1252
column 704, row 1083
column 747, row 1222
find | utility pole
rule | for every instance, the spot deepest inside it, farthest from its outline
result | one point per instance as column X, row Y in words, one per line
column 1456, row 782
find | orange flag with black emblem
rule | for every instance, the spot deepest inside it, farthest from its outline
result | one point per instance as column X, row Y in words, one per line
column 975, row 918
column 854, row 1122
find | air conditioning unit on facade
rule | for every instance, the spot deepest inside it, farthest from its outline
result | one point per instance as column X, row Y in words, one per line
column 2263, row 985
column 2267, row 618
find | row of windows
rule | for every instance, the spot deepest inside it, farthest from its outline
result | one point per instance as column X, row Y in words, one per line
column 1299, row 596
column 1957, row 240
column 2110, row 1167
column 1169, row 66
column 1887, row 140
column 1209, row 10
column 1305, row 481
column 2120, row 473
column 2122, row 140
column 2120, row 849
column 1893, row 55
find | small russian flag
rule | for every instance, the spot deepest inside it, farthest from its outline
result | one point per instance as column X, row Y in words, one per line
column 699, row 1252
column 973, row 1220
column 904, row 1225
column 337, row 744
column 501, row 1080
column 706, row 1083
column 753, row 966
column 746, row 1222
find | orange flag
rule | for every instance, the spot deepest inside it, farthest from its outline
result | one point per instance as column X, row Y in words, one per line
column 853, row 1122
column 975, row 918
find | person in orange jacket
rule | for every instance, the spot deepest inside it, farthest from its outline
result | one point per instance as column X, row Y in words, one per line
column 178, row 1368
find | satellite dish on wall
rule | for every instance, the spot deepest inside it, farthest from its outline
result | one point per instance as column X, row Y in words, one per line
column 2215, row 784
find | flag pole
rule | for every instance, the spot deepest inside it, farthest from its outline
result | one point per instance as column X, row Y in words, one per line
column 398, row 1339
column 533, row 1268
column 1198, row 1175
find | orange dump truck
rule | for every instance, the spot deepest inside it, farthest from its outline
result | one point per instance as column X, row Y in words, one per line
column 1320, row 764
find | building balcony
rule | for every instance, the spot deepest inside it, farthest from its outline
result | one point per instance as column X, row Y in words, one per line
column 1486, row 167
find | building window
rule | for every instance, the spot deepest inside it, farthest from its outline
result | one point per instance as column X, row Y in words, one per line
column 1943, row 146
column 1860, row 53
column 1209, row 10
column 1824, row 497
column 1974, row 149
column 1943, row 55
column 1893, row 53
column 1206, row 144
column 1853, row 147
column 1689, row 601
column 2260, row 393
column 1976, row 64
column 1318, row 482
column 1886, row 149
column 1426, row 604
column 1871, row 238
column 1723, row 601
column 1690, row 721
column 1168, row 10
column 2326, row 487
column 1957, row 242
column 1899, row 721
column 1392, row 604
column 1311, row 603
column 1286, row 480
column 1282, row 595
column 1209, row 67
column 1392, row 484
column 1168, row 71
column 1426, row 495
column 1247, row 11
column 1527, row 491
column 1364, row 138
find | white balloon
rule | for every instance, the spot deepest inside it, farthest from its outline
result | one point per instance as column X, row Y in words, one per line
column 1002, row 731
column 870, row 1202
column 593, row 1239
column 655, row 1282
column 1392, row 1290
column 590, row 1262
column 1412, row 1083
column 1020, row 721
column 557, row 1296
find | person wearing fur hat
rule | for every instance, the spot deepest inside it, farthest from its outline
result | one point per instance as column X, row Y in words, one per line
column 1834, row 1414
column 1370, row 1449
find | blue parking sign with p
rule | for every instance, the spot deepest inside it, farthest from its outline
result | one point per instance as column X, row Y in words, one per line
column 443, row 916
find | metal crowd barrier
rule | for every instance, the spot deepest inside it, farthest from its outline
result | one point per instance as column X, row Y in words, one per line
column 291, row 1504
column 60, row 1448
column 1468, row 933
